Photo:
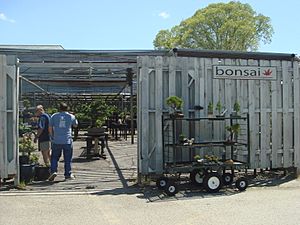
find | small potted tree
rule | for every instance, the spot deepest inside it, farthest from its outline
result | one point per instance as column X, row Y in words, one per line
column 181, row 138
column 42, row 172
column 26, row 147
column 234, row 130
column 236, row 109
column 210, row 109
column 219, row 108
column 175, row 103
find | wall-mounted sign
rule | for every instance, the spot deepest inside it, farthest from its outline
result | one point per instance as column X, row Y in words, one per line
column 244, row 72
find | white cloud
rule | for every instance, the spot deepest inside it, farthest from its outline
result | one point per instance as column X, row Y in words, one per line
column 4, row 18
column 164, row 15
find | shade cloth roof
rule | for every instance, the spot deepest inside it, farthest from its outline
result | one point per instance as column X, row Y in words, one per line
column 65, row 71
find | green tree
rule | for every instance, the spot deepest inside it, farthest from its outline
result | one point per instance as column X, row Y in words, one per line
column 95, row 112
column 220, row 26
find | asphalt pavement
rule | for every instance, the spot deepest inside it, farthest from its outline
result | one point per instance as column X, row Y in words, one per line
column 277, row 205
column 105, row 192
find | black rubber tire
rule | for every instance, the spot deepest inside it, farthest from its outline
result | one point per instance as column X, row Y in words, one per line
column 171, row 189
column 162, row 182
column 197, row 176
column 227, row 178
column 212, row 182
column 241, row 183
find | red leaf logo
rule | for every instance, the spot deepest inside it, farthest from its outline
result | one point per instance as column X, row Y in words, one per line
column 267, row 72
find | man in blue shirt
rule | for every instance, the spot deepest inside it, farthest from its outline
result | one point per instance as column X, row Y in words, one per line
column 43, row 134
column 60, row 129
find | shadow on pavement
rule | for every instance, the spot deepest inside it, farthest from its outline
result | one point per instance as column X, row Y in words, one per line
column 117, row 175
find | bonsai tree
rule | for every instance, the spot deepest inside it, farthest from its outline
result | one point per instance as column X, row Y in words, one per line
column 219, row 107
column 236, row 107
column 210, row 108
column 34, row 158
column 94, row 113
column 182, row 138
column 211, row 158
column 197, row 157
column 234, row 130
column 26, row 103
column 51, row 110
column 175, row 103
column 23, row 129
column 26, row 145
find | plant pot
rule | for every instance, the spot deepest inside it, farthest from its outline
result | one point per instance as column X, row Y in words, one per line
column 229, row 142
column 23, row 159
column 210, row 115
column 41, row 173
column 235, row 115
column 176, row 115
column 27, row 172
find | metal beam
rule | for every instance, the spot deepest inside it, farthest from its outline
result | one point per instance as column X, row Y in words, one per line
column 67, row 65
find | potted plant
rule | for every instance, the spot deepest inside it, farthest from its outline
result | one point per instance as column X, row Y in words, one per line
column 41, row 173
column 182, row 138
column 51, row 110
column 31, row 169
column 219, row 108
column 175, row 103
column 210, row 109
column 234, row 130
column 198, row 159
column 34, row 158
column 26, row 147
column 23, row 129
column 27, row 168
column 236, row 109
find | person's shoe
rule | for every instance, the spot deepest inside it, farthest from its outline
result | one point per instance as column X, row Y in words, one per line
column 71, row 177
column 52, row 176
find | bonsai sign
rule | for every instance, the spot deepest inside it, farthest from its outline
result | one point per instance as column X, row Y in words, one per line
column 244, row 72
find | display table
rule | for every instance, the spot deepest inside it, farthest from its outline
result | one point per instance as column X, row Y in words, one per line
column 94, row 136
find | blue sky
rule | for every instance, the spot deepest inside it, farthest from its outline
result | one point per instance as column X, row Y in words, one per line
column 126, row 24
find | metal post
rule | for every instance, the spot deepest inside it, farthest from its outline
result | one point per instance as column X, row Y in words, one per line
column 131, row 114
column 129, row 80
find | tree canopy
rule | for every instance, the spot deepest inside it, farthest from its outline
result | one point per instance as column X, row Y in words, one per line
column 220, row 26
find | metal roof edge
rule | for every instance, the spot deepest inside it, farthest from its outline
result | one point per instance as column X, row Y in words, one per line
column 155, row 52
column 32, row 47
column 233, row 54
column 78, row 52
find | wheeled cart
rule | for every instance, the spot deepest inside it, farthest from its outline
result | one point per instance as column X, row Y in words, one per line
column 214, row 152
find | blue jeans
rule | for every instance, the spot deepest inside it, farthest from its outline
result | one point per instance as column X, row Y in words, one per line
column 67, row 150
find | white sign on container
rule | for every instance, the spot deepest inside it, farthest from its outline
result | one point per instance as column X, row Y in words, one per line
column 244, row 72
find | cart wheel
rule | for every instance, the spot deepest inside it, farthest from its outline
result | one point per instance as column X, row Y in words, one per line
column 212, row 182
column 161, row 182
column 227, row 178
column 196, row 176
column 241, row 183
column 171, row 188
